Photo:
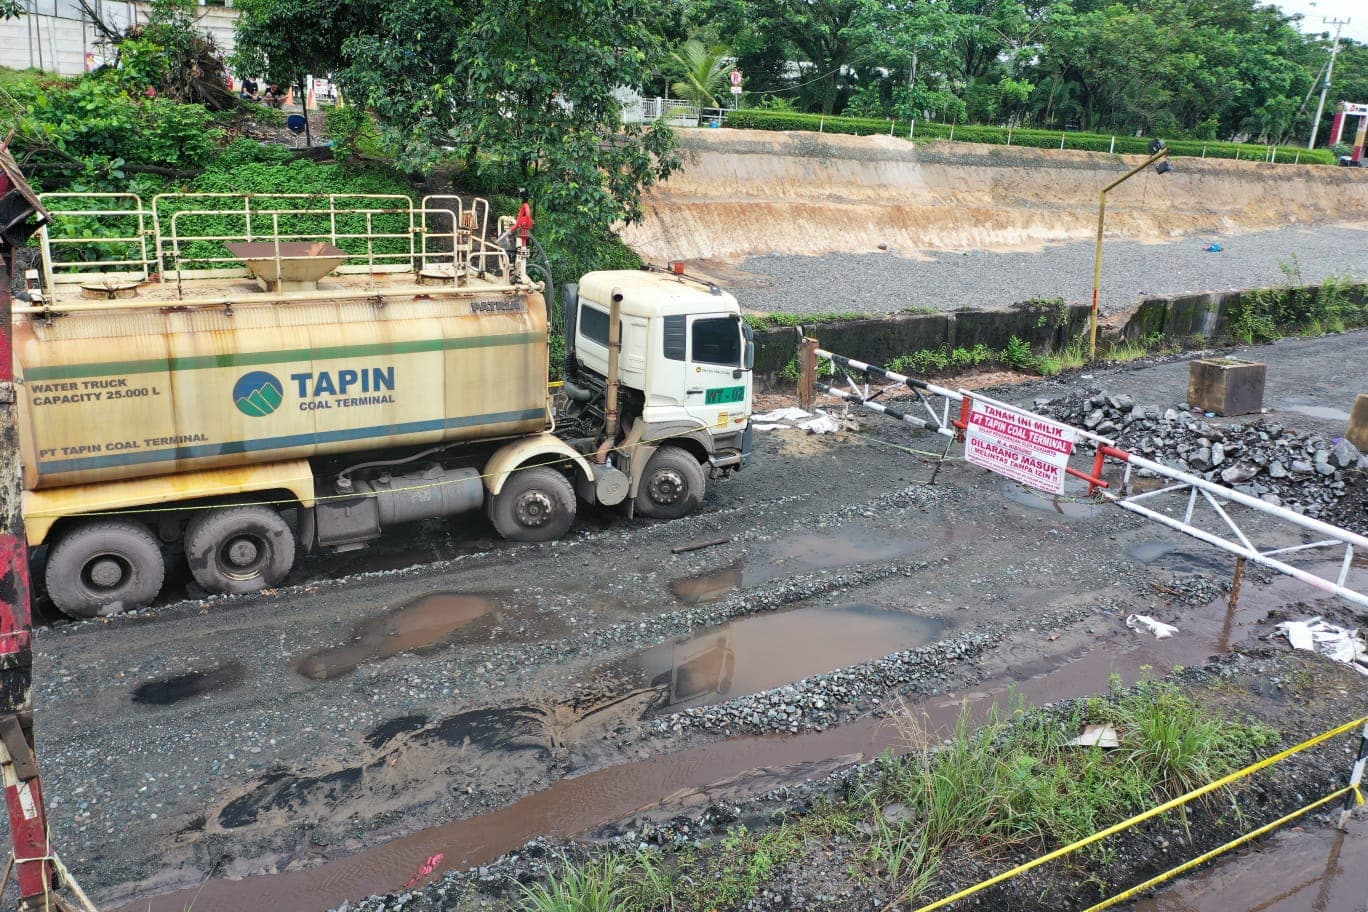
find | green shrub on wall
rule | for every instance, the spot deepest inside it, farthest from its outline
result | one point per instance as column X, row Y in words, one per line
column 756, row 119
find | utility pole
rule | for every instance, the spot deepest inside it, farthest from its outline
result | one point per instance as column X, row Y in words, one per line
column 911, row 97
column 1329, row 74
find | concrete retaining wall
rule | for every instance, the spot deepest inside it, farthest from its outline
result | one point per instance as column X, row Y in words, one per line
column 880, row 340
column 1179, row 318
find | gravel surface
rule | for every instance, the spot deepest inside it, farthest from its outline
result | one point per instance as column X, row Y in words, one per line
column 262, row 768
column 982, row 279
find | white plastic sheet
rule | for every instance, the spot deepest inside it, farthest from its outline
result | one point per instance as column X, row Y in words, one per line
column 1332, row 641
column 1160, row 630
column 784, row 419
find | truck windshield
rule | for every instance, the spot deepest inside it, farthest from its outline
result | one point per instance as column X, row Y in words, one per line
column 716, row 340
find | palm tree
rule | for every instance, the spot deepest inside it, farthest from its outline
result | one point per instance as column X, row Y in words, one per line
column 702, row 70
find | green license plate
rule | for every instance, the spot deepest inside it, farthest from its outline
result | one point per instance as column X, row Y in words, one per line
column 725, row 394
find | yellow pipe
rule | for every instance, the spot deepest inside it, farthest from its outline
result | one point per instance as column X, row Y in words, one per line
column 1097, row 256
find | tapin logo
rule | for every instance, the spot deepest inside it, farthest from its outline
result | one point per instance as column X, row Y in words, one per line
column 258, row 393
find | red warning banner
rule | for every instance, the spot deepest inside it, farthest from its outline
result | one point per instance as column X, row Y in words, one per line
column 1019, row 445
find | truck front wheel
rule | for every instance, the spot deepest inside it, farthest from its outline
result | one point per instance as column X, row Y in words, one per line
column 101, row 567
column 535, row 505
column 239, row 549
column 673, row 485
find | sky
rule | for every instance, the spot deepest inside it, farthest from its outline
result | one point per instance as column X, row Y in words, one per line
column 1313, row 11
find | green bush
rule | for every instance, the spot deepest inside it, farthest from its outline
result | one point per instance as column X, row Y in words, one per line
column 96, row 118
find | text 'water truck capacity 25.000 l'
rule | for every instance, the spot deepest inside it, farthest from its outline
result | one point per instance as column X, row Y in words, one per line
column 234, row 376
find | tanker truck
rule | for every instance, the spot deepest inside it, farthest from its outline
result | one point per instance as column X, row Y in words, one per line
column 239, row 377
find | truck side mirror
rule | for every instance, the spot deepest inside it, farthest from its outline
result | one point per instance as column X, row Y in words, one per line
column 748, row 348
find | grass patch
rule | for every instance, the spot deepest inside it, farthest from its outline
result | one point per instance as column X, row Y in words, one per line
column 723, row 875
column 1008, row 783
column 772, row 320
column 1013, row 782
column 594, row 886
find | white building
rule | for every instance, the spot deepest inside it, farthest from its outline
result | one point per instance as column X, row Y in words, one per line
column 58, row 35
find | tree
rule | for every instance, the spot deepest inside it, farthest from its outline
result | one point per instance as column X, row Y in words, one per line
column 702, row 70
column 286, row 41
column 526, row 93
column 831, row 37
column 11, row 9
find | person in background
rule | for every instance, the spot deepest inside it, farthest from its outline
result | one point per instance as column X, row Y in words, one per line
column 274, row 97
column 250, row 89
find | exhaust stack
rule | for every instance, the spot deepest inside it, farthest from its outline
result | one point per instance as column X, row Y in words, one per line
column 610, row 406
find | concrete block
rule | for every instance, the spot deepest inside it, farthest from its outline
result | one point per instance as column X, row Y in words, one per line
column 1226, row 386
column 1357, row 434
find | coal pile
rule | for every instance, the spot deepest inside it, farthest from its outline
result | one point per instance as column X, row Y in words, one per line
column 1309, row 474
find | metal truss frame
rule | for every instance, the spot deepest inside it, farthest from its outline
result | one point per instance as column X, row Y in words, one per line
column 1197, row 507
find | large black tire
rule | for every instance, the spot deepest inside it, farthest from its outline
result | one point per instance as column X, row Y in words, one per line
column 103, row 567
column 239, row 549
column 535, row 505
column 673, row 485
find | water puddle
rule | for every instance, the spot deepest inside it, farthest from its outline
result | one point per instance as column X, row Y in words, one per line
column 1180, row 556
column 741, row 766
column 431, row 622
column 173, row 689
column 1319, row 411
column 1073, row 504
column 793, row 555
column 1314, row 868
column 763, row 651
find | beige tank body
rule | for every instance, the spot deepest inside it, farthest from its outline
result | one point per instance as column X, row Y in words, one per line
column 123, row 394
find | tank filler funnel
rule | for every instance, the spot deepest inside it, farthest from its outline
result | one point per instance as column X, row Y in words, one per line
column 289, row 265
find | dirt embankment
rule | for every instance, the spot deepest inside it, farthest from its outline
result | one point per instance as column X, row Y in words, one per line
column 745, row 193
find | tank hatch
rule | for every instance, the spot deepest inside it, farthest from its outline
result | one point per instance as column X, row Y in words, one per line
column 289, row 265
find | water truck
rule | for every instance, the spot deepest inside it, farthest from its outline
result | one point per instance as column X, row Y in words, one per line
column 237, row 377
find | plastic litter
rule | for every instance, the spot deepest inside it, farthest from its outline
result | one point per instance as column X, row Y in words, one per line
column 1160, row 630
column 1213, row 248
column 426, row 868
column 1330, row 640
column 784, row 419
column 1097, row 736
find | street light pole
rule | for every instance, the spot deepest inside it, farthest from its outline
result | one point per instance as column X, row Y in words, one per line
column 1097, row 257
column 1329, row 74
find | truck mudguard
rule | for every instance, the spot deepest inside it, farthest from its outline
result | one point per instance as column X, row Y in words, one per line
column 508, row 458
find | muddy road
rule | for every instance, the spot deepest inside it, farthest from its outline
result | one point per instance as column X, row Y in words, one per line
column 449, row 693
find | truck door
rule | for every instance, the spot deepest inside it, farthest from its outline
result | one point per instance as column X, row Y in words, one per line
column 718, row 387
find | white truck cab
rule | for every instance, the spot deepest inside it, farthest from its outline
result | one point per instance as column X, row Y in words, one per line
column 684, row 378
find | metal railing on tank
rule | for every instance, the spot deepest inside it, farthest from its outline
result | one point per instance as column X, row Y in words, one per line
column 110, row 243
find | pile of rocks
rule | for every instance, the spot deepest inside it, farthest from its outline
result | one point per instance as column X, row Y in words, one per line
column 1305, row 473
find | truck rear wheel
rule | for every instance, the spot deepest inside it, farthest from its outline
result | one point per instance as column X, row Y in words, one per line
column 535, row 505
column 239, row 549
column 673, row 485
column 102, row 567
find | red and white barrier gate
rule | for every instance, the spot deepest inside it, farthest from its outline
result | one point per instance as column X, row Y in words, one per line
column 1037, row 451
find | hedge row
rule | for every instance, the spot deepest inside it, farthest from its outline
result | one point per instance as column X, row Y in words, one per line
column 752, row 119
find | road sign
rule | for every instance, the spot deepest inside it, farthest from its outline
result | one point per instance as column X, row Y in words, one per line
column 736, row 90
column 1021, row 446
column 736, row 79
